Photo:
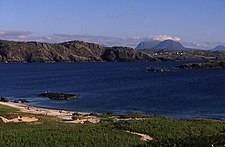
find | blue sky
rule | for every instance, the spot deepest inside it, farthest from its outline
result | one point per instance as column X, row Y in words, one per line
column 193, row 21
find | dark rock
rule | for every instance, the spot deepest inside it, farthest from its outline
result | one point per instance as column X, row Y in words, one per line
column 21, row 101
column 125, row 54
column 208, row 64
column 4, row 99
column 149, row 69
column 58, row 95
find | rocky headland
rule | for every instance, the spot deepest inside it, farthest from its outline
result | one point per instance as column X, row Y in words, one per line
column 72, row 51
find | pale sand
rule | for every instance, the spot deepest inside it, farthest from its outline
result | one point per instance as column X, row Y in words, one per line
column 19, row 119
column 144, row 137
column 62, row 114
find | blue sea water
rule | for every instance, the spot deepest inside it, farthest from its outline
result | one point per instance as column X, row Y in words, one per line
column 119, row 87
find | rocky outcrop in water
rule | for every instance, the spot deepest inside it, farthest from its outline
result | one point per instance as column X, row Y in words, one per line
column 21, row 101
column 2, row 99
column 150, row 69
column 58, row 95
column 73, row 51
column 209, row 64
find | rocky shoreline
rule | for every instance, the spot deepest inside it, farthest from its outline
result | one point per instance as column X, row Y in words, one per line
column 206, row 65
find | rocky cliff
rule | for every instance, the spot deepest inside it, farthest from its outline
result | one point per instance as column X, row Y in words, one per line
column 73, row 51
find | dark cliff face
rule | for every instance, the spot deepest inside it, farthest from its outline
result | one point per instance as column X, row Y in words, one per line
column 125, row 54
column 75, row 51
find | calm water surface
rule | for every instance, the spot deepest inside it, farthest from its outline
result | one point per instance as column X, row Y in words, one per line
column 119, row 88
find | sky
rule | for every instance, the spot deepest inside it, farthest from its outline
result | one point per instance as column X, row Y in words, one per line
column 197, row 23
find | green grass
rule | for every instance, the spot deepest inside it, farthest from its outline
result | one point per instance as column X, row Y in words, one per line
column 50, row 131
column 7, row 111
column 58, row 134
column 160, row 128
column 173, row 132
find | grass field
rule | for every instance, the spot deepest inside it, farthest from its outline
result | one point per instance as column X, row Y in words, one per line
column 50, row 131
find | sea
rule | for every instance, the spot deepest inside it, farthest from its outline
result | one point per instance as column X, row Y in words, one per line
column 119, row 87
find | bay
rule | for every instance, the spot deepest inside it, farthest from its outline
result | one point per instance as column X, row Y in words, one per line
column 120, row 87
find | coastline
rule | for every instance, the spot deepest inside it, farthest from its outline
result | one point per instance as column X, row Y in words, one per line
column 62, row 114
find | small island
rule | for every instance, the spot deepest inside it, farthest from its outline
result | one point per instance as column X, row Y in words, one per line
column 58, row 95
column 150, row 69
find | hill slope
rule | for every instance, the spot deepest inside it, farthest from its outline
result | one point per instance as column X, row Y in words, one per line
column 147, row 44
column 75, row 51
column 170, row 44
column 219, row 48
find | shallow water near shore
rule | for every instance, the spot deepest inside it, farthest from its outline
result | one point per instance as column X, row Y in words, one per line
column 119, row 87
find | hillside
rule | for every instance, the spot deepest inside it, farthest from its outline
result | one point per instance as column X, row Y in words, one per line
column 219, row 48
column 147, row 44
column 73, row 51
column 170, row 44
column 166, row 54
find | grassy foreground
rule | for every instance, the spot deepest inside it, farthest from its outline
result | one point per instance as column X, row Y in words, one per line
column 50, row 131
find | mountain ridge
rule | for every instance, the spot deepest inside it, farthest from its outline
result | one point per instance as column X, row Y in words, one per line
column 166, row 44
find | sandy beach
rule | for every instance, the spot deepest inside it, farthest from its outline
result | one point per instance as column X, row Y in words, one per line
column 35, row 110
column 62, row 114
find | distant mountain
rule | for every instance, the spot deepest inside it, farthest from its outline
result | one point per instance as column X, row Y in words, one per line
column 219, row 48
column 72, row 51
column 170, row 44
column 166, row 44
column 147, row 44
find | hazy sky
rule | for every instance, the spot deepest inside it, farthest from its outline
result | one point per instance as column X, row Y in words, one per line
column 190, row 20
